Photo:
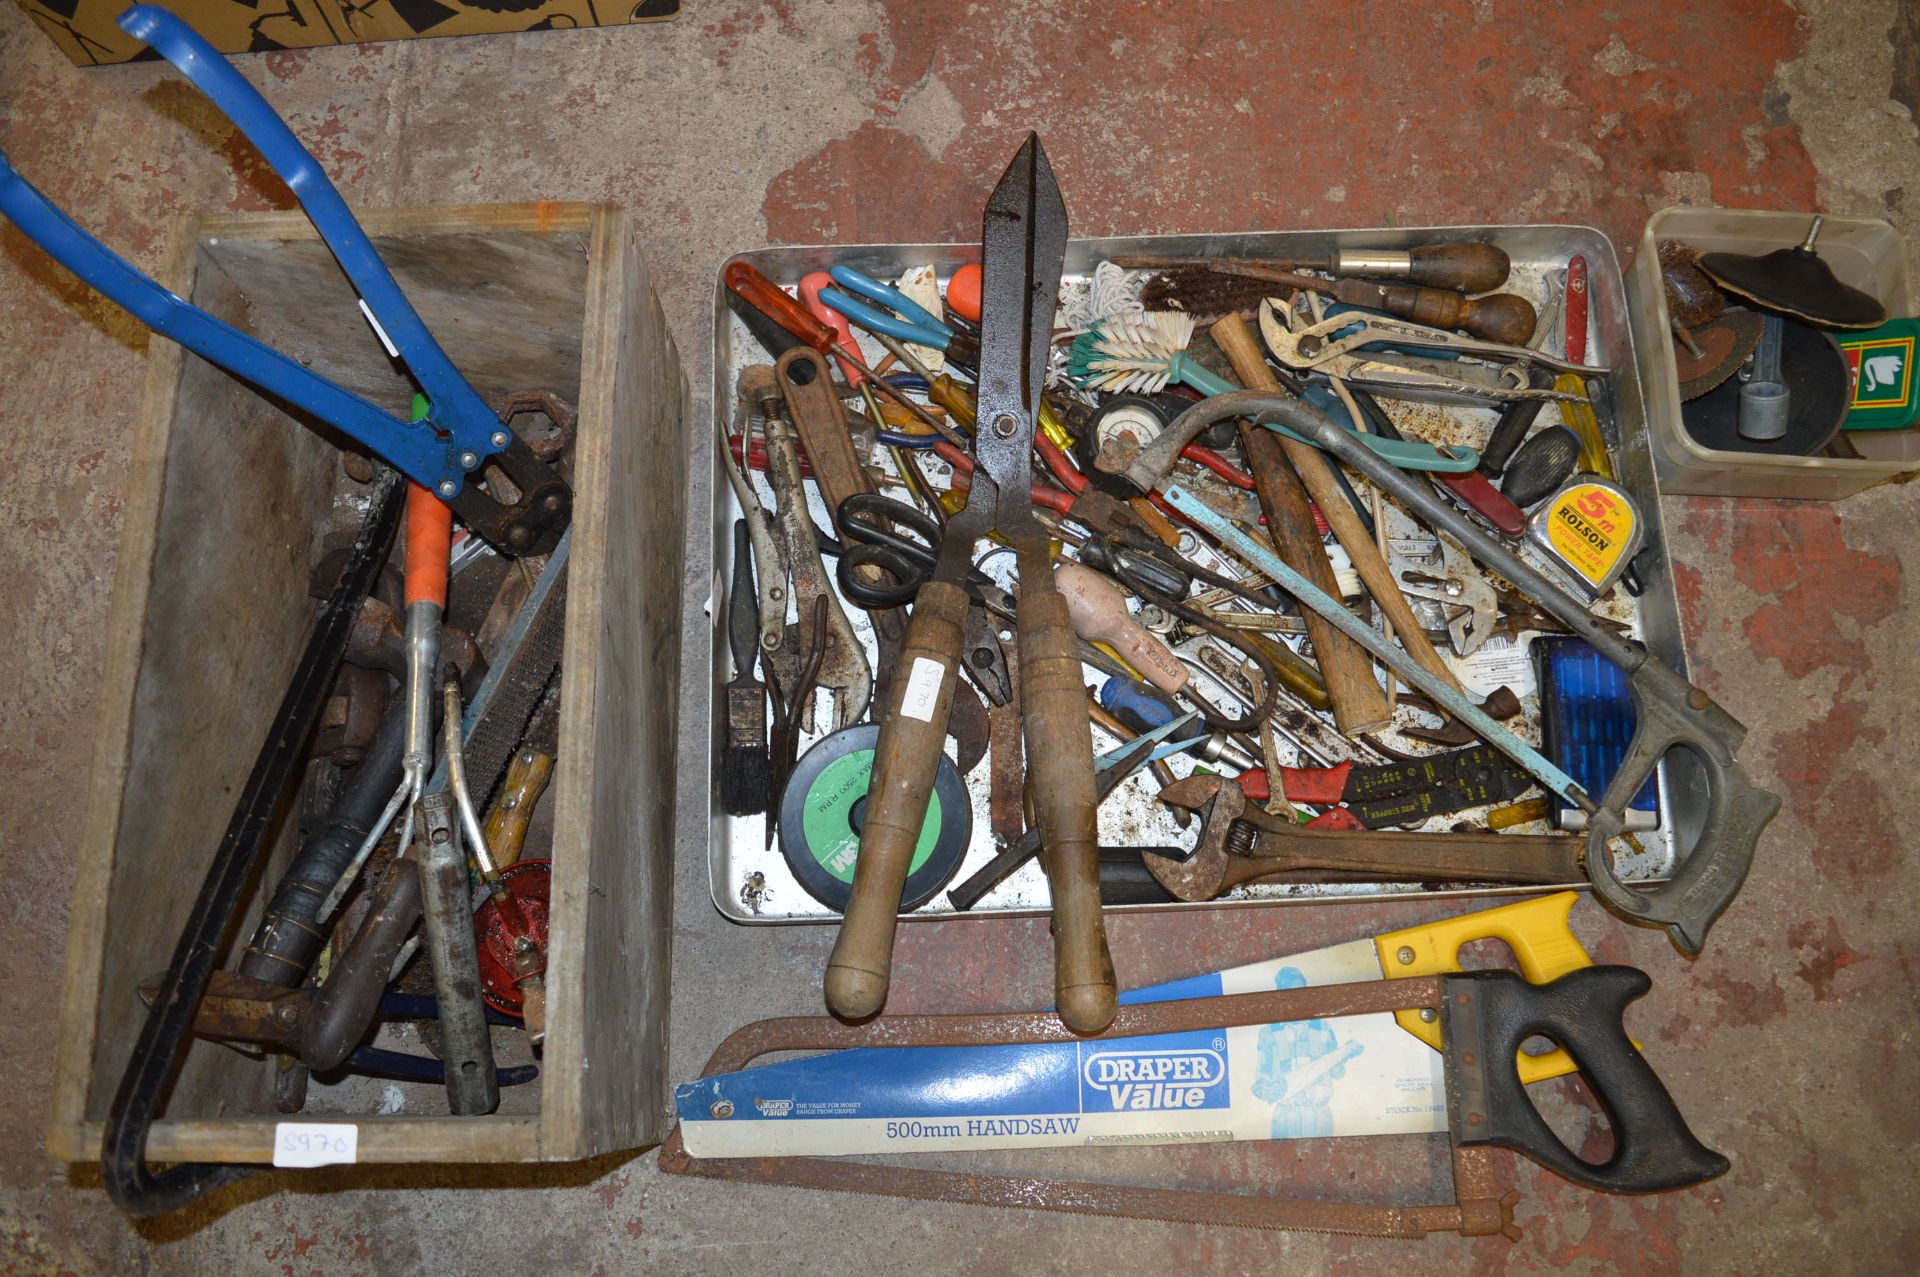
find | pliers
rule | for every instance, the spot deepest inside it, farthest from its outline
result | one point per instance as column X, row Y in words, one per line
column 441, row 451
column 908, row 320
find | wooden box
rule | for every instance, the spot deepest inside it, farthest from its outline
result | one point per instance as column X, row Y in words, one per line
column 226, row 506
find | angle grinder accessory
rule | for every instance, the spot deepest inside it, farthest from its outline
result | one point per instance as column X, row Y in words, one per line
column 1724, row 344
column 824, row 806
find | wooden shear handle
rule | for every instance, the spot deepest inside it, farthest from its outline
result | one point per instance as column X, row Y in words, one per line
column 912, row 734
column 1061, row 783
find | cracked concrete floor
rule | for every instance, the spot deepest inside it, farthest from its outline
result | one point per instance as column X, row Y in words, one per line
column 1789, row 1045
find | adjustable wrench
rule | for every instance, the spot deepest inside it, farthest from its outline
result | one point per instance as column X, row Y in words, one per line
column 1240, row 842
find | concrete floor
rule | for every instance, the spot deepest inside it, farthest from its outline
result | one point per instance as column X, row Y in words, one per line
column 1789, row 1045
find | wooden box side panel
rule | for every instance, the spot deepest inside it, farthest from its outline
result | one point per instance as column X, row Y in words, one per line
column 623, row 625
column 241, row 498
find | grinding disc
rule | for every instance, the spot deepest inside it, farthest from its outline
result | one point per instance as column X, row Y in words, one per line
column 1725, row 344
column 821, row 814
column 1795, row 280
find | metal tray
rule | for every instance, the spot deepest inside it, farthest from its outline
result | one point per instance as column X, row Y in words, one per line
column 750, row 882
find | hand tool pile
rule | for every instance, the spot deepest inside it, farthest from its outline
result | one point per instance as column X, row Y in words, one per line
column 428, row 695
column 1224, row 515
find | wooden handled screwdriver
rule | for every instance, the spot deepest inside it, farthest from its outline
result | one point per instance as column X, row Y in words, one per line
column 1503, row 317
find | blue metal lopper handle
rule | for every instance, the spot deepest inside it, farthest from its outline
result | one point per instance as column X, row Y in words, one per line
column 458, row 409
column 412, row 448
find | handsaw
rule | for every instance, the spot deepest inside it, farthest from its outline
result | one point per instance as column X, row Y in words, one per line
column 1485, row 1016
column 1024, row 237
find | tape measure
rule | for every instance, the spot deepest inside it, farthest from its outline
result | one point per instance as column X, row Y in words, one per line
column 1591, row 528
column 823, row 807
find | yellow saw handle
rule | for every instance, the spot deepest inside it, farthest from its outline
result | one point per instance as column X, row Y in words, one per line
column 1542, row 943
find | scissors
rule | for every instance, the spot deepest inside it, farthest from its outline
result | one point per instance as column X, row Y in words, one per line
column 875, row 532
column 908, row 321
column 445, row 450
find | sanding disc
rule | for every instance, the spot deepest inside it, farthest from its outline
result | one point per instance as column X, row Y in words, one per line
column 821, row 814
column 1724, row 345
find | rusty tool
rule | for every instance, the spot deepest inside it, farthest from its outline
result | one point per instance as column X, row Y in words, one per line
column 1484, row 1016
column 843, row 663
column 987, row 877
column 1464, row 268
column 790, row 710
column 1241, row 842
column 243, row 847
column 1024, row 246
column 1503, row 317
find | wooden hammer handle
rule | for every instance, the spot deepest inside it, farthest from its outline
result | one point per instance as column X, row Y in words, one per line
column 1316, row 472
column 905, row 761
column 1061, row 783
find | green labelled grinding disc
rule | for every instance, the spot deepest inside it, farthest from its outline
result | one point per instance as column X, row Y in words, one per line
column 821, row 814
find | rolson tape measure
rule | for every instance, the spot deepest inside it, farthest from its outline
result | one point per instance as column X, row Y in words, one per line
column 821, row 815
column 1590, row 529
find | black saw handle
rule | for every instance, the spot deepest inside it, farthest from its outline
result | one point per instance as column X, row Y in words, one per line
column 1489, row 1014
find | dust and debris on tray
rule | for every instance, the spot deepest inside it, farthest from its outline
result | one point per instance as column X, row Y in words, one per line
column 767, row 890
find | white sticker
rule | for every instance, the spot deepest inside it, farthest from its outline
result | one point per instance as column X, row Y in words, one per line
column 392, row 351
column 923, row 688
column 1500, row 660
column 316, row 1144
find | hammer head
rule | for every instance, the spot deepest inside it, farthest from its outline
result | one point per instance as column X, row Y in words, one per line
column 1201, row 875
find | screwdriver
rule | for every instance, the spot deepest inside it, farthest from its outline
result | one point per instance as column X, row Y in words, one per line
column 1465, row 268
column 1504, row 317
column 754, row 288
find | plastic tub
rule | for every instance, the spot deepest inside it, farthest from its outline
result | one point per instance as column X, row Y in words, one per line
column 1864, row 252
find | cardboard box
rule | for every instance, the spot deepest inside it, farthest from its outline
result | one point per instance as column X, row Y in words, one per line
column 85, row 32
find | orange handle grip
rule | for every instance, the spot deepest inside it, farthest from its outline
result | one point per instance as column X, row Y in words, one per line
column 904, row 764
column 963, row 292
column 810, row 286
column 767, row 297
column 429, row 543
column 1061, row 783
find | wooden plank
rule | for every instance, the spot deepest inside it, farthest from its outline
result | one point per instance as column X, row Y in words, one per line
column 382, row 1139
column 612, row 925
column 73, row 1054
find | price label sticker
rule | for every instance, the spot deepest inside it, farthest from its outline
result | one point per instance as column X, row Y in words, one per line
column 923, row 689
column 315, row 1144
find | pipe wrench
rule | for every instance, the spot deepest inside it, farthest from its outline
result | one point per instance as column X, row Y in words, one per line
column 444, row 451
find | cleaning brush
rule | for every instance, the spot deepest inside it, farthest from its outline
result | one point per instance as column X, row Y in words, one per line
column 746, row 776
column 1141, row 354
